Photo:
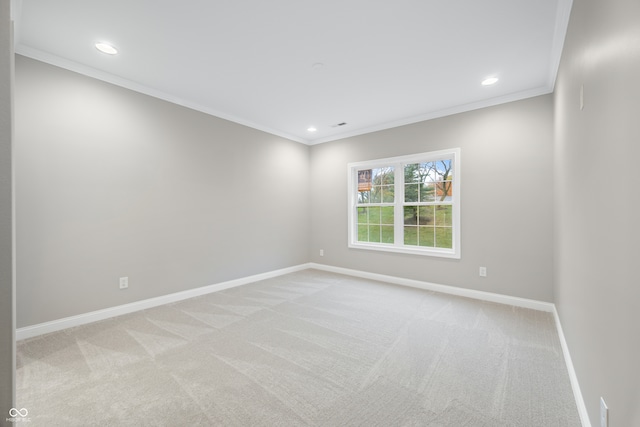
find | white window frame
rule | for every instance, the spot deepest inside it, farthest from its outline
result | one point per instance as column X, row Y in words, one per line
column 398, row 163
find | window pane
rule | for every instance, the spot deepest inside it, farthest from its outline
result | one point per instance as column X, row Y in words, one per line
column 387, row 233
column 374, row 215
column 383, row 176
column 363, row 233
column 426, row 215
column 410, row 215
column 411, row 173
column 376, row 195
column 364, row 197
column 444, row 237
column 387, row 194
column 444, row 191
column 426, row 236
column 411, row 192
column 443, row 170
column 364, row 179
column 427, row 171
column 363, row 216
column 427, row 192
column 411, row 235
column 386, row 215
column 374, row 233
column 444, row 215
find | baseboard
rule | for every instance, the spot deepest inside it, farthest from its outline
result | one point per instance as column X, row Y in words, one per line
column 68, row 322
column 575, row 386
column 451, row 290
column 94, row 316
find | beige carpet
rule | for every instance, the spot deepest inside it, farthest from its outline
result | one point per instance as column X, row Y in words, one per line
column 305, row 349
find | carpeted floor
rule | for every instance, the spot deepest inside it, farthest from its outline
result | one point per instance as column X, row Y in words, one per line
column 306, row 349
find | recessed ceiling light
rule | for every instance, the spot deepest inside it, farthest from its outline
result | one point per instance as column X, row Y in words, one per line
column 490, row 81
column 311, row 129
column 106, row 48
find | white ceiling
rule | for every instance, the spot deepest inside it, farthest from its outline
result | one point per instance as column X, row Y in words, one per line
column 385, row 63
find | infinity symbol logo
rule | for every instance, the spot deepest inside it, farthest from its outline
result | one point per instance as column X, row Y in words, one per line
column 13, row 412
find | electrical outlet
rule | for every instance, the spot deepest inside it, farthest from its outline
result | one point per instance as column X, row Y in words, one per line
column 483, row 271
column 321, row 252
column 124, row 282
column 604, row 414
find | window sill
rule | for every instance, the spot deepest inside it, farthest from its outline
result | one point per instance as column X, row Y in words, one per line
column 422, row 251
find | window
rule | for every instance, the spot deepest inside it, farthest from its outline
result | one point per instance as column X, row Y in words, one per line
column 408, row 204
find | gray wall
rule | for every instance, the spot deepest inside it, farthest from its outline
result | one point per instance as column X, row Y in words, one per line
column 7, row 326
column 113, row 183
column 506, row 196
column 597, row 204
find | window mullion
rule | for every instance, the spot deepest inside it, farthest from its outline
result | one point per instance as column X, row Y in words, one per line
column 398, row 212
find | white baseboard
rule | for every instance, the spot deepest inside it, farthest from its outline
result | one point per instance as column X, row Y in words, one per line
column 94, row 316
column 575, row 386
column 81, row 319
column 68, row 322
column 445, row 289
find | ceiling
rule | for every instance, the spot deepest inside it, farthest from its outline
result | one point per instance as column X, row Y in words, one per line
column 283, row 66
